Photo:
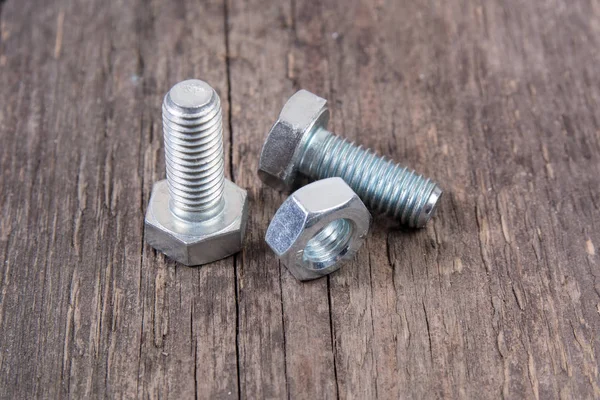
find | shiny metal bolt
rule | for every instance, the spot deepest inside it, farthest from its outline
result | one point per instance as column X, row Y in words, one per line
column 196, row 216
column 193, row 134
column 300, row 144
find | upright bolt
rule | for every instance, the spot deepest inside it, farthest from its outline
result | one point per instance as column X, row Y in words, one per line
column 196, row 216
column 193, row 134
column 300, row 144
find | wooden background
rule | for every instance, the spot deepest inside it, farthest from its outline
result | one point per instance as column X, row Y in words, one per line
column 499, row 297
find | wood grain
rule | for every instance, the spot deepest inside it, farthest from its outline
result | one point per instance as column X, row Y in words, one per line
column 498, row 297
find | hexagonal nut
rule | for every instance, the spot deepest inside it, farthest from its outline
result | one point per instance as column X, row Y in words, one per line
column 318, row 227
column 303, row 113
column 197, row 243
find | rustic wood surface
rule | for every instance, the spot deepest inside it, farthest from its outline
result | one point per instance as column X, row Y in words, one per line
column 499, row 297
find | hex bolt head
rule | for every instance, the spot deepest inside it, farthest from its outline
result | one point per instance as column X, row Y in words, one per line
column 195, row 216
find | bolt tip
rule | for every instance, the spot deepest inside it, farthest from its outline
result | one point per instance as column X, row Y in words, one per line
column 190, row 95
column 429, row 208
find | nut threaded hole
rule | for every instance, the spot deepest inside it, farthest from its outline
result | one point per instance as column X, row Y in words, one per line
column 330, row 244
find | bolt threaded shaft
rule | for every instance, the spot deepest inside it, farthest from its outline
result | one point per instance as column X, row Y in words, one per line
column 193, row 137
column 384, row 186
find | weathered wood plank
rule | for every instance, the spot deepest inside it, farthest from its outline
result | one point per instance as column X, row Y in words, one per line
column 484, row 288
column 191, row 312
column 82, row 145
column 284, row 331
column 499, row 296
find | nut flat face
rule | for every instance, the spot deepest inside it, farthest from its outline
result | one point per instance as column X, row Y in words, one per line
column 302, row 114
column 318, row 227
column 197, row 243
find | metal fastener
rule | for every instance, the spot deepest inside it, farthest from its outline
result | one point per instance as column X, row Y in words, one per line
column 300, row 144
column 317, row 227
column 195, row 216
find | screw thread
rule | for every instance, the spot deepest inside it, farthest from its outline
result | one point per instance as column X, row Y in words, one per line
column 193, row 137
column 330, row 242
column 385, row 187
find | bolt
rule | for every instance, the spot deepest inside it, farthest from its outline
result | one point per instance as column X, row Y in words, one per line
column 193, row 133
column 196, row 216
column 300, row 144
